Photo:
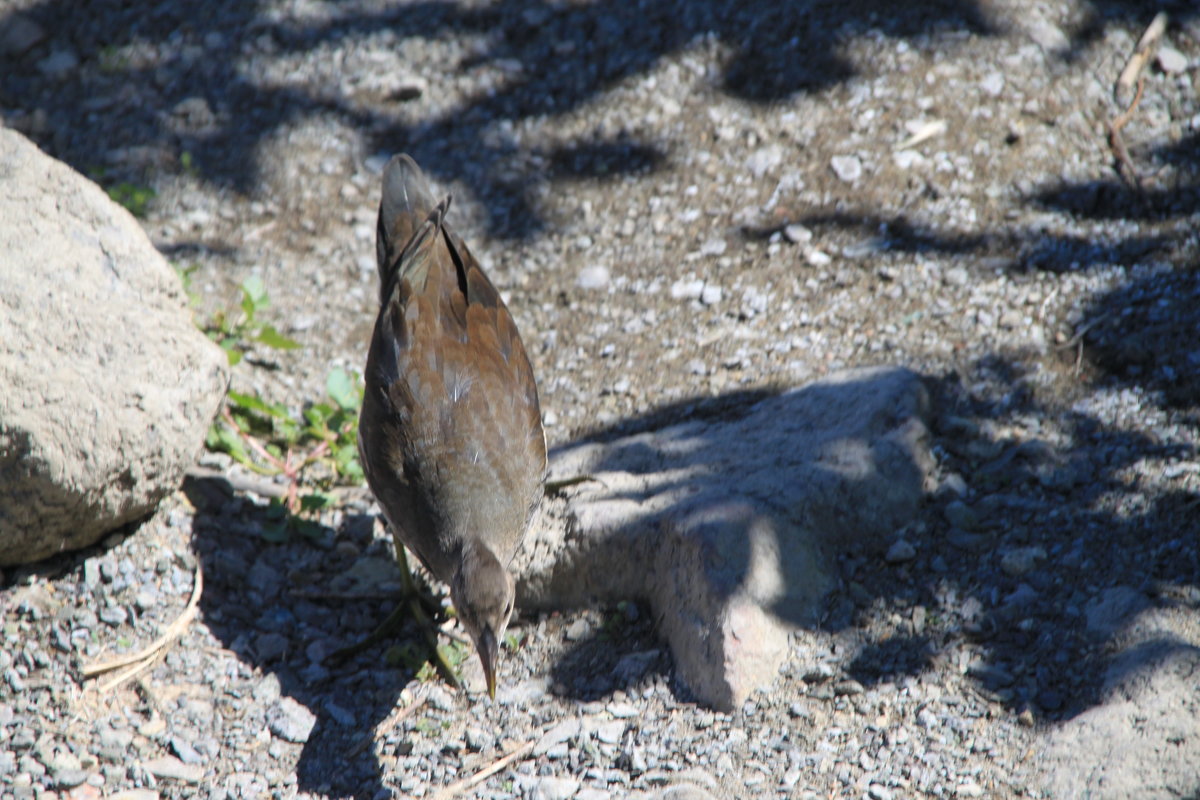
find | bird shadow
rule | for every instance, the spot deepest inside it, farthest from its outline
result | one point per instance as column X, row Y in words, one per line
column 280, row 608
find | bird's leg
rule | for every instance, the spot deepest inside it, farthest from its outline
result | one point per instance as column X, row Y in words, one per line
column 427, row 627
column 410, row 605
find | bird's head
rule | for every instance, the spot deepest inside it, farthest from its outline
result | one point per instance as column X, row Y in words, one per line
column 483, row 594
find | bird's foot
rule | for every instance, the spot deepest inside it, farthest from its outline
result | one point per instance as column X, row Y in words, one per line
column 418, row 606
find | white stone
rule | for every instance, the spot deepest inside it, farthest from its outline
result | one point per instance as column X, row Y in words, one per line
column 992, row 83
column 711, row 294
column 684, row 289
column 594, row 277
column 1170, row 60
column 764, row 160
column 797, row 234
column 847, row 168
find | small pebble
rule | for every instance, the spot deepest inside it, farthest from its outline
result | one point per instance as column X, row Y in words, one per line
column 847, row 168
column 900, row 551
column 961, row 516
column 797, row 233
column 1020, row 561
column 1170, row 60
column 579, row 629
column 174, row 769
column 969, row 789
column 594, row 277
column 290, row 721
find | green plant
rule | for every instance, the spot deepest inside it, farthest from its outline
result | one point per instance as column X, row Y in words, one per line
column 234, row 331
column 313, row 450
column 617, row 622
column 135, row 198
column 188, row 162
column 185, row 277
column 112, row 59
column 317, row 447
column 405, row 654
column 451, row 655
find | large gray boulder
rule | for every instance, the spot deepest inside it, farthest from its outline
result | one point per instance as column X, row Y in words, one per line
column 728, row 526
column 108, row 387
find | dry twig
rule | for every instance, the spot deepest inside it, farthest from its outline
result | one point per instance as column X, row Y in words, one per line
column 458, row 787
column 144, row 657
column 238, row 483
column 1116, row 142
column 1130, row 76
column 1081, row 331
column 1141, row 57
column 127, row 673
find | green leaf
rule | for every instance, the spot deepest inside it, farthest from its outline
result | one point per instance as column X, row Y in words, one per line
column 288, row 430
column 222, row 439
column 404, row 655
column 307, row 528
column 252, row 402
column 275, row 532
column 276, row 511
column 185, row 277
column 316, row 501
column 273, row 338
column 343, row 389
column 135, row 198
column 454, row 653
column 254, row 295
column 318, row 415
column 346, row 459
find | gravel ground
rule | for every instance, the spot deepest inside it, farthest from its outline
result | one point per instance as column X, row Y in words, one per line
column 680, row 201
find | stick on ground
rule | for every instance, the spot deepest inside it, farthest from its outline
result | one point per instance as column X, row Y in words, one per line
column 147, row 654
column 1140, row 58
column 458, row 787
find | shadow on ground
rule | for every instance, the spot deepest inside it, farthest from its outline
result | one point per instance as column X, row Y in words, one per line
column 1047, row 527
column 1040, row 514
column 1076, row 500
column 1072, row 503
column 277, row 608
column 189, row 96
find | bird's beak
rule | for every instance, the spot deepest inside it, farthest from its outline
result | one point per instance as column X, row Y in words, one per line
column 489, row 653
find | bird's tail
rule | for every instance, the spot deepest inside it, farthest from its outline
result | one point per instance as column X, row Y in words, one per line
column 407, row 205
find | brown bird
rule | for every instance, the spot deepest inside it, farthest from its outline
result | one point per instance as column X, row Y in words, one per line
column 450, row 433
